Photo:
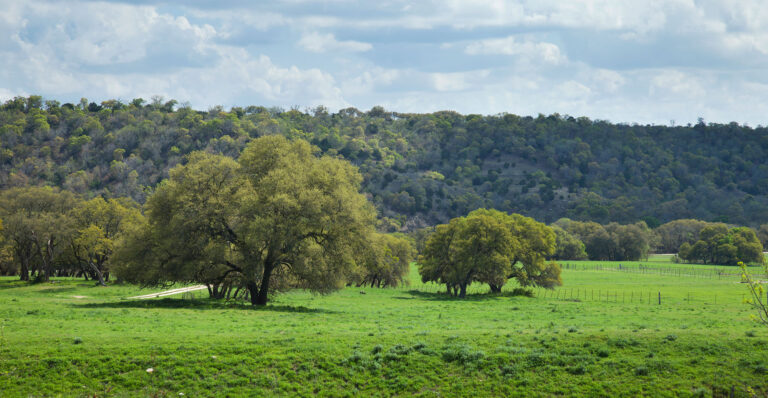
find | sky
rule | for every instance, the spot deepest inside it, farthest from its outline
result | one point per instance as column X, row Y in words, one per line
column 625, row 61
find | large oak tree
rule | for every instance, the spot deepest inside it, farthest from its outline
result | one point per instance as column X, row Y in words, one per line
column 279, row 217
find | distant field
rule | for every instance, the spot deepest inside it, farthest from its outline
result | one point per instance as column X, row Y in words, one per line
column 599, row 335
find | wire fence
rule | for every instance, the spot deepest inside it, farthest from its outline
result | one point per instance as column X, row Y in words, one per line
column 590, row 294
column 679, row 271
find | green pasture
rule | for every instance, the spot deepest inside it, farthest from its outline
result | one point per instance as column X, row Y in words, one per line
column 71, row 338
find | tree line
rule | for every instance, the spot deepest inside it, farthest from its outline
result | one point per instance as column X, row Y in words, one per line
column 278, row 217
column 714, row 243
column 418, row 169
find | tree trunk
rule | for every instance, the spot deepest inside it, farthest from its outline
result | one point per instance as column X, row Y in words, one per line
column 48, row 260
column 463, row 291
column 495, row 288
column 24, row 276
column 262, row 297
column 253, row 291
column 98, row 273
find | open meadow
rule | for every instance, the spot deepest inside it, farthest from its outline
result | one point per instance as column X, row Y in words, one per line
column 602, row 334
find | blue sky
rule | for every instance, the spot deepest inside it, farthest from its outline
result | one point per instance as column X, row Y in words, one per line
column 644, row 61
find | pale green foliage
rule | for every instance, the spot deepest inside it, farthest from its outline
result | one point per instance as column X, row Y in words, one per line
column 489, row 246
column 758, row 298
column 96, row 226
column 384, row 261
column 279, row 217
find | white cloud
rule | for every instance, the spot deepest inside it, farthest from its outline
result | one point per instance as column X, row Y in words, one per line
column 321, row 43
column 369, row 80
column 457, row 81
column 547, row 52
column 607, row 80
column 676, row 83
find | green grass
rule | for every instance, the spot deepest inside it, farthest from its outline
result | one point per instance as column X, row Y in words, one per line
column 386, row 342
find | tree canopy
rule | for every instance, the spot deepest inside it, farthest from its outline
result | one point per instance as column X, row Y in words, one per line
column 278, row 217
column 718, row 244
column 489, row 246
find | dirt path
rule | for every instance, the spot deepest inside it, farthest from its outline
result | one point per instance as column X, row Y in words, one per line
column 170, row 292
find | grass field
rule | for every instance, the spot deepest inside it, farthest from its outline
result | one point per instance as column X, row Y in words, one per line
column 71, row 338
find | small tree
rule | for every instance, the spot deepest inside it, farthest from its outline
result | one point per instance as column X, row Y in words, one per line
column 758, row 298
column 384, row 261
column 96, row 225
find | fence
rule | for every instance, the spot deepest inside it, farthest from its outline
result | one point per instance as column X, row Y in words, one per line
column 582, row 294
column 694, row 272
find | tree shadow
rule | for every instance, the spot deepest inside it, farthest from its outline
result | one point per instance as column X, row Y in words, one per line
column 443, row 296
column 14, row 284
column 200, row 304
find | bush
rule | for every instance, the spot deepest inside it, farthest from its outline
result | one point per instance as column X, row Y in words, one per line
column 578, row 369
column 603, row 352
column 462, row 354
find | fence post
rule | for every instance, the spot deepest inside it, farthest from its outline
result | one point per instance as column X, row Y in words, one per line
column 659, row 298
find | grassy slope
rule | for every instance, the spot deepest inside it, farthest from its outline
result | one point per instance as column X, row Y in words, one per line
column 429, row 344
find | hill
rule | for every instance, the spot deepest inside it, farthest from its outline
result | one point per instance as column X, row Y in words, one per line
column 419, row 169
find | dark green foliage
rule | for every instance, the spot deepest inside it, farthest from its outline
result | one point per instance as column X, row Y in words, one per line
column 719, row 245
column 611, row 242
column 435, row 166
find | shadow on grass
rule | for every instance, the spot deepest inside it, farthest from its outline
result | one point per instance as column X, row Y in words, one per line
column 443, row 296
column 46, row 287
column 13, row 284
column 200, row 304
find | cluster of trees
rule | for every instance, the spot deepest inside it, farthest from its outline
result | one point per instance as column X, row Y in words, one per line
column 614, row 242
column 489, row 246
column 717, row 244
column 694, row 240
column 49, row 232
column 278, row 217
column 418, row 169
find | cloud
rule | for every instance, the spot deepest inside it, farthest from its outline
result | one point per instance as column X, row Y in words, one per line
column 627, row 60
column 547, row 52
column 321, row 43
column 458, row 81
column 676, row 83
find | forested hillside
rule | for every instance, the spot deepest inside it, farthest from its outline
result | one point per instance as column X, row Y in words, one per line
column 419, row 169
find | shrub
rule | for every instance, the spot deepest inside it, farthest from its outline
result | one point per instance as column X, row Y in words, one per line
column 578, row 369
column 462, row 354
column 603, row 352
